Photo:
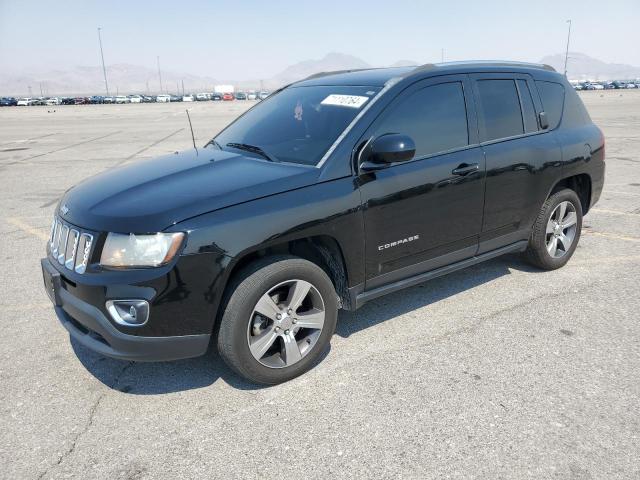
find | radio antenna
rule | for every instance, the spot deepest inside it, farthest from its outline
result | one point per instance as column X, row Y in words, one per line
column 191, row 127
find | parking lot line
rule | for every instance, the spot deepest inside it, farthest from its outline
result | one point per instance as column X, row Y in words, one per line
column 16, row 222
column 612, row 235
column 24, row 140
column 613, row 212
column 147, row 147
column 624, row 259
column 26, row 306
column 66, row 147
column 617, row 192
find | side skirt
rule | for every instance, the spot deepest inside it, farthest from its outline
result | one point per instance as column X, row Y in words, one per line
column 362, row 297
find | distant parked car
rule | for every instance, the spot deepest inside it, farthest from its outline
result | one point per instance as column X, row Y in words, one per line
column 96, row 99
column 53, row 101
column 188, row 98
column 263, row 94
column 82, row 101
column 201, row 97
column 135, row 99
column 241, row 96
column 148, row 99
column 252, row 95
column 608, row 86
column 68, row 101
column 216, row 96
column 619, row 84
column 109, row 99
column 631, row 85
column 122, row 99
column 176, row 98
column 24, row 101
column 40, row 101
column 163, row 98
column 227, row 97
column 8, row 102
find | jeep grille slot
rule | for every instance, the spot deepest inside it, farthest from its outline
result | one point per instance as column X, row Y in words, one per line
column 69, row 246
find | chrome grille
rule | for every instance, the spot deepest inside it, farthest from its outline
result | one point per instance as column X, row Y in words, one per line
column 69, row 246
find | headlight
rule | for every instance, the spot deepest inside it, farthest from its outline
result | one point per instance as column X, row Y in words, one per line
column 140, row 250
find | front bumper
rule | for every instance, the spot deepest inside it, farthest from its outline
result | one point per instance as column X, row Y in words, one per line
column 89, row 326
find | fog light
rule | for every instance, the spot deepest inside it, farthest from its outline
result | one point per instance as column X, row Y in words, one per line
column 129, row 312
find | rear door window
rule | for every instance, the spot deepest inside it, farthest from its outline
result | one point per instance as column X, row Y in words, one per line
column 435, row 117
column 500, row 109
column 528, row 110
column 552, row 96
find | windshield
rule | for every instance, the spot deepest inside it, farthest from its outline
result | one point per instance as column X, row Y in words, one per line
column 299, row 124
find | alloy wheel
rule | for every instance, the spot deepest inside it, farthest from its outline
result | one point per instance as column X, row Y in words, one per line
column 286, row 323
column 561, row 229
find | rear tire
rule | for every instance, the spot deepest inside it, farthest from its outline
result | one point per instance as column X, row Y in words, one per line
column 278, row 319
column 556, row 231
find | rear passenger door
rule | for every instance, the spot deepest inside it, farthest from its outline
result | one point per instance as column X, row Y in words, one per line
column 521, row 158
column 425, row 213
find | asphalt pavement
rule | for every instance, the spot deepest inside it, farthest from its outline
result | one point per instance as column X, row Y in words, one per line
column 497, row 371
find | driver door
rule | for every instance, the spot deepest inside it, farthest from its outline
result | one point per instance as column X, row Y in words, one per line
column 425, row 213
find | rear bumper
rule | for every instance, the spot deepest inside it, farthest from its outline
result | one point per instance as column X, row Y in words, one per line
column 90, row 327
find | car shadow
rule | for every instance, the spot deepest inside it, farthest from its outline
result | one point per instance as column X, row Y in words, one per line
column 141, row 378
column 152, row 378
column 399, row 303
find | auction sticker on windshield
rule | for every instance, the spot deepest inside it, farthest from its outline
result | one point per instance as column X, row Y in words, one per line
column 353, row 101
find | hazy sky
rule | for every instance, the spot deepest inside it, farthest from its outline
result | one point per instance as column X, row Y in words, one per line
column 253, row 39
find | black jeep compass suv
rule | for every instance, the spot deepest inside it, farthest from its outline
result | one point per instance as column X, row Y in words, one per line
column 333, row 191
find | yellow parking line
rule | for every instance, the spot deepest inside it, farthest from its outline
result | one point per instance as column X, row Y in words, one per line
column 606, row 260
column 613, row 212
column 28, row 228
column 27, row 306
column 617, row 192
column 612, row 235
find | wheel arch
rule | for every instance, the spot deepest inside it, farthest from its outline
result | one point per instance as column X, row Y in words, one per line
column 581, row 184
column 322, row 250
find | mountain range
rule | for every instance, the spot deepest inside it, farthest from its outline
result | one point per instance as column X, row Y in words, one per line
column 126, row 78
column 584, row 67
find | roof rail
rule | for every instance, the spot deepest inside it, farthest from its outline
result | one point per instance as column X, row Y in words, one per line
column 493, row 63
column 335, row 72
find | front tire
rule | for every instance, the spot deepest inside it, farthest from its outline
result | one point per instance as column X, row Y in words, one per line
column 556, row 231
column 278, row 320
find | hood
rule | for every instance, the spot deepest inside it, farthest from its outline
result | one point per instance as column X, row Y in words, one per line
column 151, row 195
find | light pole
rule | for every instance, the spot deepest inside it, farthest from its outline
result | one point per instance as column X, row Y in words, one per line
column 104, row 69
column 566, row 55
column 159, row 74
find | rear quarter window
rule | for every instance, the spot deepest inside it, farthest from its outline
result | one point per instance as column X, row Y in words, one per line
column 552, row 97
column 575, row 113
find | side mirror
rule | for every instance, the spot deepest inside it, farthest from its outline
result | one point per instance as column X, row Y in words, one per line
column 387, row 149
column 544, row 121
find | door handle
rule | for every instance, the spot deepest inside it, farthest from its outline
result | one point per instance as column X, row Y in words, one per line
column 465, row 169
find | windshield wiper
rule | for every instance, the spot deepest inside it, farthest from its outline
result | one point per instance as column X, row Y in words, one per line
column 252, row 149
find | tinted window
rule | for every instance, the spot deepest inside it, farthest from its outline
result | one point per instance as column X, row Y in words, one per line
column 434, row 117
column 528, row 110
column 500, row 108
column 299, row 124
column 575, row 113
column 552, row 96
